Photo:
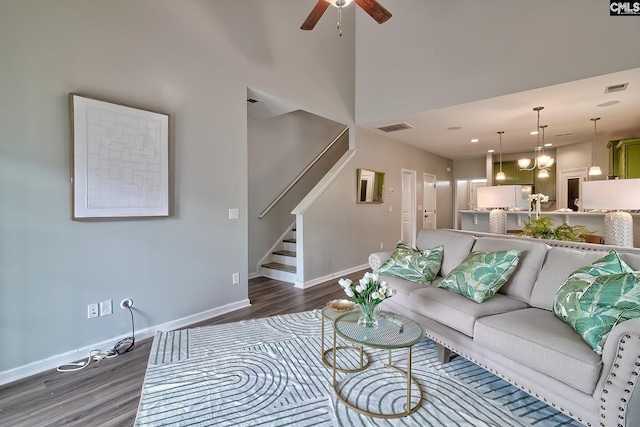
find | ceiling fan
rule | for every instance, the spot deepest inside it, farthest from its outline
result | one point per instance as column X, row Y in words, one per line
column 372, row 7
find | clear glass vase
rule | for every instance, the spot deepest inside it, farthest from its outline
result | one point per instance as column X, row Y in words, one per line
column 368, row 316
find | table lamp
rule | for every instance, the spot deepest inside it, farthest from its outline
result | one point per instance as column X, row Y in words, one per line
column 615, row 195
column 499, row 197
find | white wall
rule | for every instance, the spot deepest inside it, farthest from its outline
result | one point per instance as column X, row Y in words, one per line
column 470, row 168
column 192, row 59
column 279, row 149
column 433, row 54
column 340, row 234
column 577, row 156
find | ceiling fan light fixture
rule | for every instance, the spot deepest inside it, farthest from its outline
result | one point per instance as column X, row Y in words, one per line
column 340, row 3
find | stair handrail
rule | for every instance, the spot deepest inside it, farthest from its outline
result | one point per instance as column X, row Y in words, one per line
column 301, row 174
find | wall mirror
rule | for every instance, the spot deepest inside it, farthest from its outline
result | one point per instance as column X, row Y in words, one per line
column 370, row 186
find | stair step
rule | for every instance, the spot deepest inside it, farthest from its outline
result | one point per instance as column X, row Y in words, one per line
column 281, row 267
column 289, row 240
column 285, row 253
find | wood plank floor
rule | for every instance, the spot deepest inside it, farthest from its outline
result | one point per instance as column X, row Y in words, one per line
column 107, row 392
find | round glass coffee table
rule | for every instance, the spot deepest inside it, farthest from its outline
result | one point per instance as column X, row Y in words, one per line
column 329, row 315
column 393, row 332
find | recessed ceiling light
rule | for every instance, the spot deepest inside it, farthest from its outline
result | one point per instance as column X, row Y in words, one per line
column 534, row 132
column 454, row 128
column 608, row 104
column 491, row 151
column 548, row 144
column 475, row 140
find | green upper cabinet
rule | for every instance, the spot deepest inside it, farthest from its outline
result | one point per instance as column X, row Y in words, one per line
column 624, row 157
column 513, row 175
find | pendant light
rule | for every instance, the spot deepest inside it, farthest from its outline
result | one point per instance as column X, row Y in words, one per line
column 594, row 170
column 500, row 175
column 544, row 159
column 540, row 160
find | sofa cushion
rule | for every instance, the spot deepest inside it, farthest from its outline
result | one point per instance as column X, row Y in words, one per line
column 419, row 266
column 593, row 306
column 521, row 281
column 541, row 341
column 456, row 311
column 632, row 260
column 456, row 246
column 558, row 266
column 481, row 274
column 402, row 289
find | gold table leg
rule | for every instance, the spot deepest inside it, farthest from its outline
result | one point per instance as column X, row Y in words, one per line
column 409, row 410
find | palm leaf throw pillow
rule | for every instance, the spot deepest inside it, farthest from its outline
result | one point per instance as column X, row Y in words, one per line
column 597, row 297
column 412, row 264
column 482, row 274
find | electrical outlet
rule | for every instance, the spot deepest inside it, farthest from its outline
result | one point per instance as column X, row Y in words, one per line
column 236, row 278
column 106, row 307
column 92, row 311
column 234, row 213
column 381, row 245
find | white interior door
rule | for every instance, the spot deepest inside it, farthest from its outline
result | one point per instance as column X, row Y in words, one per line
column 408, row 234
column 429, row 200
column 570, row 183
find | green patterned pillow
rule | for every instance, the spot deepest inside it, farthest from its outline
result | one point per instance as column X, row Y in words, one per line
column 593, row 306
column 566, row 305
column 412, row 264
column 481, row 274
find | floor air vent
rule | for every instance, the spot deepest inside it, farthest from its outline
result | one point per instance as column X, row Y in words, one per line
column 395, row 127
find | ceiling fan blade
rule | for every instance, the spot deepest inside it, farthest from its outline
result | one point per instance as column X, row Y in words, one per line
column 315, row 15
column 375, row 10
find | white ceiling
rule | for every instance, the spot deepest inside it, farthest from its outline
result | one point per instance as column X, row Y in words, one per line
column 568, row 108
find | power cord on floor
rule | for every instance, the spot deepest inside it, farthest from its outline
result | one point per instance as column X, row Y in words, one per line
column 123, row 346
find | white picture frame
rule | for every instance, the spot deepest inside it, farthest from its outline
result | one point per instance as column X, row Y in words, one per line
column 119, row 160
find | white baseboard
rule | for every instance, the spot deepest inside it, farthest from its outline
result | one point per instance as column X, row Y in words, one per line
column 318, row 280
column 80, row 353
column 253, row 275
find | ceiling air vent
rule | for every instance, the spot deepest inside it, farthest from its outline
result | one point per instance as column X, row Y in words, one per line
column 395, row 127
column 251, row 100
column 616, row 88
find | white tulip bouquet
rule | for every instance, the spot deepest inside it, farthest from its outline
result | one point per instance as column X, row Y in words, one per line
column 368, row 293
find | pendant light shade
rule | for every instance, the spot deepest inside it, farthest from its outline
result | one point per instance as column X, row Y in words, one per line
column 595, row 170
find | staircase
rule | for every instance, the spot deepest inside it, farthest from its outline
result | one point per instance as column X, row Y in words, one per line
column 282, row 265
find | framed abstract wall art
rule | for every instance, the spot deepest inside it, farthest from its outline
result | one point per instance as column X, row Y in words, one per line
column 119, row 160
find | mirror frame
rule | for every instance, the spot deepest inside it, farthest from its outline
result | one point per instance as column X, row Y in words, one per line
column 370, row 187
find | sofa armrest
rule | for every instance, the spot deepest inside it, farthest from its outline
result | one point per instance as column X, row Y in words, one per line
column 378, row 258
column 617, row 393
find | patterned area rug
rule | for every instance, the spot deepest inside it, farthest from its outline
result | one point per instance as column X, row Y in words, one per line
column 268, row 372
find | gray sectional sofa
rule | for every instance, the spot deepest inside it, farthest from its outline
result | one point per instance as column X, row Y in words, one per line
column 516, row 335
